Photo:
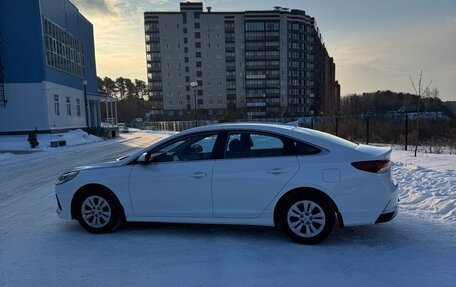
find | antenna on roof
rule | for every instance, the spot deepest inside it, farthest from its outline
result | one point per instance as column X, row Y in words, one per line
column 277, row 8
column 209, row 9
column 284, row 9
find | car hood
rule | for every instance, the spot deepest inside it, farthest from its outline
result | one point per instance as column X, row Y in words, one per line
column 98, row 165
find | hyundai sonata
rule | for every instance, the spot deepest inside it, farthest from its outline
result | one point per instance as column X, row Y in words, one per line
column 302, row 180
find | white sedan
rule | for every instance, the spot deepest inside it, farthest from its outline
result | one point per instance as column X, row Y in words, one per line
column 302, row 180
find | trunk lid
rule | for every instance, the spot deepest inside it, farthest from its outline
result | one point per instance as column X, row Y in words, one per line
column 374, row 152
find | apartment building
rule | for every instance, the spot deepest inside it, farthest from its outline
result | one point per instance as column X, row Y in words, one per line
column 250, row 64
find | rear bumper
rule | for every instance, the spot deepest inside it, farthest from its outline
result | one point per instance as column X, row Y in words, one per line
column 375, row 202
column 385, row 217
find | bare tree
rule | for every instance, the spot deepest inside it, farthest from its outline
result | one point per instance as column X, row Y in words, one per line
column 420, row 91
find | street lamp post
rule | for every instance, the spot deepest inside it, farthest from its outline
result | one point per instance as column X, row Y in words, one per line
column 86, row 104
column 195, row 86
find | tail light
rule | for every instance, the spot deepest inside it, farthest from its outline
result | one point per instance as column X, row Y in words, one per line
column 374, row 166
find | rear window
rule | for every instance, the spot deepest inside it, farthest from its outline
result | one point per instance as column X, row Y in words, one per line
column 305, row 149
column 327, row 137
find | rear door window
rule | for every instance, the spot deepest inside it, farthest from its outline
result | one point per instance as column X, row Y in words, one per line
column 246, row 145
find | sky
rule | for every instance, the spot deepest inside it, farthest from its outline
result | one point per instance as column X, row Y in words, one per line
column 376, row 45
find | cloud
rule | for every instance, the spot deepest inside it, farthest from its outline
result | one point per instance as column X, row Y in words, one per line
column 119, row 36
column 378, row 59
column 159, row 2
column 95, row 7
column 450, row 19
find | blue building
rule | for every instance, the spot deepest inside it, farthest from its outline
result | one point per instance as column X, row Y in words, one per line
column 47, row 68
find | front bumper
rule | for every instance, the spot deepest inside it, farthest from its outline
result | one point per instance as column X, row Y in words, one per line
column 59, row 207
column 63, row 203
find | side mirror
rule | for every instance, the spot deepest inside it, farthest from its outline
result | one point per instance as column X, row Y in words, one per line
column 144, row 158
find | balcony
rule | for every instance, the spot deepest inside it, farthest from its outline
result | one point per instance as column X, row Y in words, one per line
column 262, row 67
column 230, row 49
column 230, row 39
column 230, row 58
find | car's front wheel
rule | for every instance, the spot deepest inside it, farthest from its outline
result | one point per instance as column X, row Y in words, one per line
column 99, row 212
column 307, row 219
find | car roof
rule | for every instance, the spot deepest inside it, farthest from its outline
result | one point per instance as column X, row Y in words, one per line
column 241, row 126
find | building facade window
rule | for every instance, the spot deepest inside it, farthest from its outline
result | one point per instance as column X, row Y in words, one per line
column 68, row 106
column 63, row 50
column 78, row 107
column 56, row 105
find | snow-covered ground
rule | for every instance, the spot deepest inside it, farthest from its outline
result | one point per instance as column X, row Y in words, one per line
column 417, row 248
column 20, row 142
column 427, row 184
column 4, row 156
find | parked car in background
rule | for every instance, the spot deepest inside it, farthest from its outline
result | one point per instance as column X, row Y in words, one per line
column 122, row 128
column 302, row 180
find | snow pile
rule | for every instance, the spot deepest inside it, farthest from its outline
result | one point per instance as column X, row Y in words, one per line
column 8, row 143
column 427, row 184
column 20, row 143
column 77, row 137
column 439, row 162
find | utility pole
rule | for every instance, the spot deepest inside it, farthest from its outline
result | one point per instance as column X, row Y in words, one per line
column 84, row 83
column 195, row 86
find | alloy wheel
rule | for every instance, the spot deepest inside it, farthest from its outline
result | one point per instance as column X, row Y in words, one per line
column 306, row 218
column 95, row 211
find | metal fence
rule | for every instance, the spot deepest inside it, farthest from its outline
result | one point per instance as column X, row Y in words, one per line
column 384, row 129
column 183, row 125
column 400, row 129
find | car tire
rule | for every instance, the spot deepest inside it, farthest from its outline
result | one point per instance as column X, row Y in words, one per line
column 99, row 212
column 307, row 218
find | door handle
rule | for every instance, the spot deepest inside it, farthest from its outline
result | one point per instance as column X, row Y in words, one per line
column 199, row 174
column 276, row 170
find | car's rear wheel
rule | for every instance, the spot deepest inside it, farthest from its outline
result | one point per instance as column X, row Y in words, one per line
column 99, row 212
column 307, row 219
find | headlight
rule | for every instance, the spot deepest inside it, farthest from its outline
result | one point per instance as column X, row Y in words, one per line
column 67, row 176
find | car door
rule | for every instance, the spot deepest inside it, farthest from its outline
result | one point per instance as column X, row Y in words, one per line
column 255, row 167
column 176, row 181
